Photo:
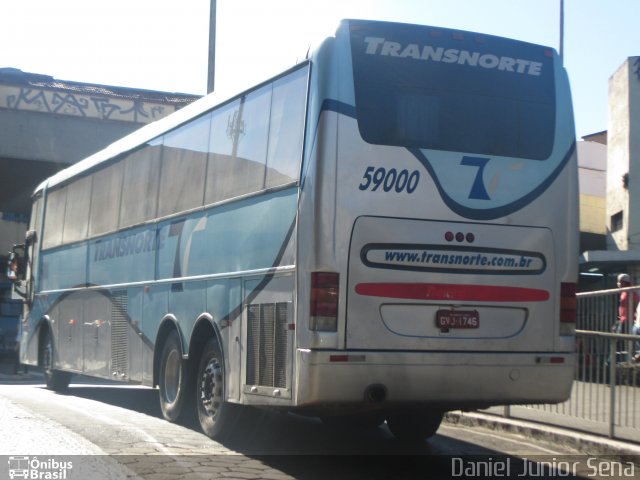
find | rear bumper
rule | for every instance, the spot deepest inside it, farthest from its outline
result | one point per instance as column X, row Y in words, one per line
column 449, row 380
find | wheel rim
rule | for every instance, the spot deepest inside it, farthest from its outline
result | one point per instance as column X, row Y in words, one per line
column 172, row 376
column 211, row 382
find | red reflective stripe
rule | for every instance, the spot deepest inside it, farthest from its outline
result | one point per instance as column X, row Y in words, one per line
column 338, row 358
column 448, row 292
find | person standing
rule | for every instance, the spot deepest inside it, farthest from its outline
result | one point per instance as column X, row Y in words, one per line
column 622, row 325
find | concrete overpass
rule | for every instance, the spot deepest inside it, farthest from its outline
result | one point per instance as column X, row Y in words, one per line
column 47, row 124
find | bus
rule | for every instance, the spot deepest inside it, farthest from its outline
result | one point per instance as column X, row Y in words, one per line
column 386, row 231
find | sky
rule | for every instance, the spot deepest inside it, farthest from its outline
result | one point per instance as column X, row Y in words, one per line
column 163, row 44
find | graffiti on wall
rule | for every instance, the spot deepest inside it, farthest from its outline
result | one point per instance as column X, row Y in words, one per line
column 82, row 105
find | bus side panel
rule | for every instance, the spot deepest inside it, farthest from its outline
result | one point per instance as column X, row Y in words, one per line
column 187, row 302
column 123, row 257
column 222, row 296
column 246, row 235
column 155, row 305
column 256, row 233
column 112, row 332
column 139, row 344
column 96, row 328
column 64, row 267
column 69, row 323
column 268, row 336
column 29, row 346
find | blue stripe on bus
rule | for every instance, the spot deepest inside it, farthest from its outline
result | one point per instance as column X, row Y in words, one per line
column 466, row 212
column 493, row 213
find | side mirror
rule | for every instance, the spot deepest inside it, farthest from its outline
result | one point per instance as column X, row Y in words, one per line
column 15, row 264
column 12, row 267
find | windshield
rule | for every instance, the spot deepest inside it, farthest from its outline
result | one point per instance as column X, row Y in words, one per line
column 456, row 91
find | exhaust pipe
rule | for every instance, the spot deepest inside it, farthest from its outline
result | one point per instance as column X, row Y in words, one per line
column 375, row 393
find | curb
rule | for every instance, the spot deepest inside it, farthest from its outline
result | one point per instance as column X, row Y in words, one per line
column 583, row 442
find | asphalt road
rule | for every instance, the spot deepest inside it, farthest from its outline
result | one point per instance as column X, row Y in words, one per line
column 119, row 433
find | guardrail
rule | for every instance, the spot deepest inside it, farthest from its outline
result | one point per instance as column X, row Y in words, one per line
column 606, row 389
column 607, row 383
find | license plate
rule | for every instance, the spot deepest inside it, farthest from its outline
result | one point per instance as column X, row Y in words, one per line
column 446, row 319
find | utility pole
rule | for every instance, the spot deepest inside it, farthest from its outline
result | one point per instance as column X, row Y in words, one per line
column 562, row 32
column 211, row 65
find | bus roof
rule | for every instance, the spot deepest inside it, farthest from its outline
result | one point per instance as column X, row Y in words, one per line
column 147, row 133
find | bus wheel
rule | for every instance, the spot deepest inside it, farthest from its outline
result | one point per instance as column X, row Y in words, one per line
column 54, row 379
column 173, row 379
column 414, row 425
column 214, row 413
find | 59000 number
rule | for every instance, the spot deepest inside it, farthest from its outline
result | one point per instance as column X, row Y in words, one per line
column 402, row 181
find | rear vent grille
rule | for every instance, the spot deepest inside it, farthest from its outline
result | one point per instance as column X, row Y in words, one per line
column 119, row 334
column 267, row 344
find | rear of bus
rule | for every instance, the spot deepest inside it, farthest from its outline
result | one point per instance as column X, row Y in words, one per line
column 438, row 224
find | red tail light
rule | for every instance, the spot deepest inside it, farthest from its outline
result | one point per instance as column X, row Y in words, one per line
column 323, row 304
column 568, row 308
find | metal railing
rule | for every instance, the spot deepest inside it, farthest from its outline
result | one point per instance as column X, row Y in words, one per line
column 606, row 389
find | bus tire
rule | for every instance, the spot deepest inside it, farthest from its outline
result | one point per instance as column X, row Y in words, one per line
column 173, row 378
column 214, row 413
column 54, row 379
column 414, row 425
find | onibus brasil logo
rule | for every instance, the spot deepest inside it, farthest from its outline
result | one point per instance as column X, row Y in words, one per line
column 33, row 468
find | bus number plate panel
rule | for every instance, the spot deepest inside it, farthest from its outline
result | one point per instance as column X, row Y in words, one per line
column 446, row 319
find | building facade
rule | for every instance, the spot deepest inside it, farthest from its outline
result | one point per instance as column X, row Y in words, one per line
column 622, row 190
column 592, row 176
column 623, row 158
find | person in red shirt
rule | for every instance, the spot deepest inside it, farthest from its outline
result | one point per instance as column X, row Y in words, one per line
column 622, row 325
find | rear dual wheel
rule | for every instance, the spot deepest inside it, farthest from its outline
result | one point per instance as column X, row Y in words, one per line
column 179, row 388
column 215, row 415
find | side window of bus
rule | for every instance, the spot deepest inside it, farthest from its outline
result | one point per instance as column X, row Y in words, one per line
column 54, row 218
column 76, row 212
column 184, row 164
column 140, row 184
column 221, row 162
column 252, row 141
column 286, row 128
column 105, row 199
column 238, row 146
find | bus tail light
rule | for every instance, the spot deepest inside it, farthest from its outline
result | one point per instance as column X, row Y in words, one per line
column 568, row 308
column 323, row 305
